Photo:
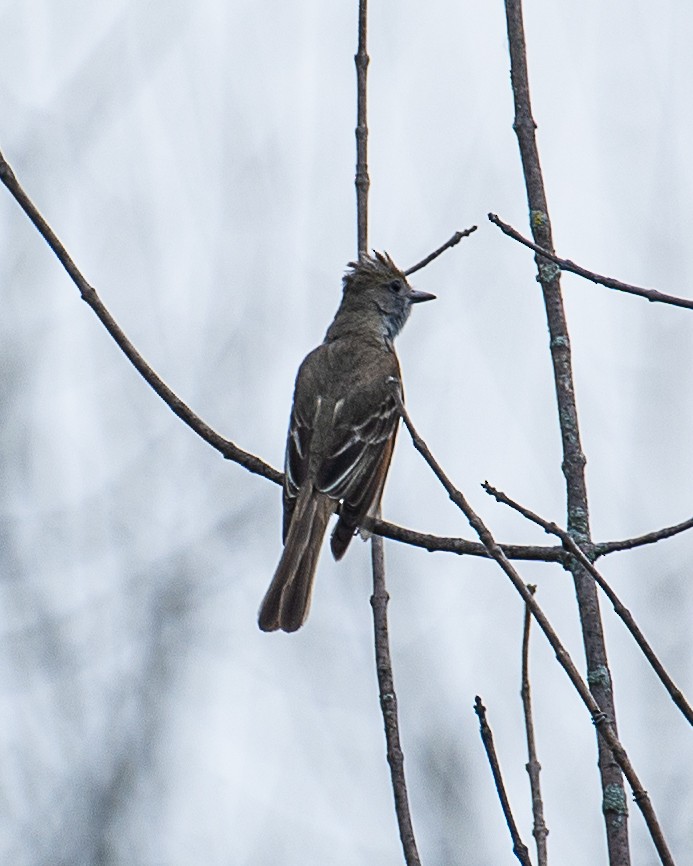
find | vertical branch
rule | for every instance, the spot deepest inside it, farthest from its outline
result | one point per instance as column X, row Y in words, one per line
column 380, row 597
column 540, row 831
column 388, row 703
column 599, row 678
column 362, row 180
column 519, row 847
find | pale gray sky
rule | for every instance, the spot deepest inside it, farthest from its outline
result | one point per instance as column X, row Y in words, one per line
column 197, row 160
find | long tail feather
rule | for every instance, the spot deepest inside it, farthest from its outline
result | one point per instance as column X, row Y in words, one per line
column 287, row 601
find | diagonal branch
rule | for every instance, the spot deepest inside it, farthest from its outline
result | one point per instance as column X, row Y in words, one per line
column 255, row 464
column 675, row 693
column 600, row 719
column 610, row 283
column 453, row 241
column 228, row 449
column 519, row 848
column 249, row 461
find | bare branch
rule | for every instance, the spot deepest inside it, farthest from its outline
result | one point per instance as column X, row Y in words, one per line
column 388, row 703
column 610, row 283
column 249, row 461
column 453, row 241
column 675, row 693
column 225, row 447
column 255, row 464
column 533, row 552
column 519, row 847
column 605, row 547
column 533, row 767
column 362, row 179
column 380, row 597
column 460, row 546
column 614, row 806
column 600, row 719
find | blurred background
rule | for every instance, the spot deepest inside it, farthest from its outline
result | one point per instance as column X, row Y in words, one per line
column 197, row 160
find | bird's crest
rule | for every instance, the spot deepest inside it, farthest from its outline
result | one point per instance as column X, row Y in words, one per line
column 368, row 269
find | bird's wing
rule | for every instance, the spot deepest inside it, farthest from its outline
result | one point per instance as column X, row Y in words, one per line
column 358, row 445
column 342, row 430
column 356, row 460
column 308, row 391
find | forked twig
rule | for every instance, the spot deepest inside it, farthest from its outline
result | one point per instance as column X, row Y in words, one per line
column 675, row 693
column 599, row 718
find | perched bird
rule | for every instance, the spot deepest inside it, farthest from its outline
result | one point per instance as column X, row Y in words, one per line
column 342, row 431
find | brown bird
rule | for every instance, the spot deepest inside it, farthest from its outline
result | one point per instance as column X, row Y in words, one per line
column 342, row 431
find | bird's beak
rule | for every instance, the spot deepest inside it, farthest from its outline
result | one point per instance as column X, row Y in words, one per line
column 417, row 297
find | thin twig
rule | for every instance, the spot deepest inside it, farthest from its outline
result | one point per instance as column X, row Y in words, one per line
column 362, row 180
column 614, row 806
column 228, row 449
column 380, row 597
column 533, row 767
column 675, row 693
column 453, row 241
column 388, row 704
column 601, row 721
column 604, row 547
column 610, row 283
column 519, row 848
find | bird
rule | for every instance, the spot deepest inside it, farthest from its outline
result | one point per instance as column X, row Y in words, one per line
column 342, row 431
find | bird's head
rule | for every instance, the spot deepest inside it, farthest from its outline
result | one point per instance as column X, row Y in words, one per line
column 375, row 284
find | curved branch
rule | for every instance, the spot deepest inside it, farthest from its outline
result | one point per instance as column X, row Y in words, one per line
column 230, row 451
column 224, row 446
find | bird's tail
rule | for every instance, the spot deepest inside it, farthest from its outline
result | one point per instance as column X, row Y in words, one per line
column 287, row 601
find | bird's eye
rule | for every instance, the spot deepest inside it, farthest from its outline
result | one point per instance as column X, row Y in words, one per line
column 396, row 286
